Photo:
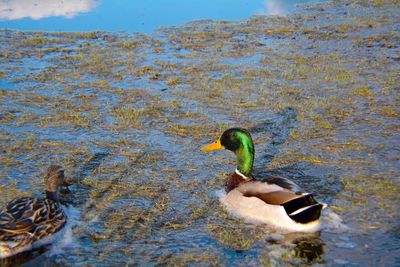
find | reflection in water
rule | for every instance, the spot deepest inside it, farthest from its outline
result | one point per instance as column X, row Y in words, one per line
column 309, row 250
column 23, row 257
column 297, row 248
column 128, row 15
column 308, row 247
column 18, row 9
column 279, row 7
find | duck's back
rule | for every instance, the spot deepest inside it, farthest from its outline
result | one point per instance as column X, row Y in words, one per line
column 25, row 221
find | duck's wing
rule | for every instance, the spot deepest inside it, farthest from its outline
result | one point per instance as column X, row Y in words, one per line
column 28, row 215
column 276, row 197
column 282, row 182
column 301, row 207
column 17, row 216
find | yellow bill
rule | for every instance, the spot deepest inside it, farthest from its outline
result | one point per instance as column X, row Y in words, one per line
column 213, row 146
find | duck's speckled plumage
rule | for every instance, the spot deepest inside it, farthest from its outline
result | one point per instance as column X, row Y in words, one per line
column 27, row 221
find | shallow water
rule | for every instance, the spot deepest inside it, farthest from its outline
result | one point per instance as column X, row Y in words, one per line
column 126, row 116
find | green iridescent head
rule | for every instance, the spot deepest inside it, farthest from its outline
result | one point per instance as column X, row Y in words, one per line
column 238, row 141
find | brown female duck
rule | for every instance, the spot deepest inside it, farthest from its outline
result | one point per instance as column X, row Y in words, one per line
column 27, row 222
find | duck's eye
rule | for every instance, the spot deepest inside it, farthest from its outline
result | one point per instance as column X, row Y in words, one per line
column 228, row 135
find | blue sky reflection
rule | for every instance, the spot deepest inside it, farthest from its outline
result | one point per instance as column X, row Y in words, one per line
column 128, row 15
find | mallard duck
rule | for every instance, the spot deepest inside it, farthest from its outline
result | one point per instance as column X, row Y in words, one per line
column 274, row 200
column 27, row 222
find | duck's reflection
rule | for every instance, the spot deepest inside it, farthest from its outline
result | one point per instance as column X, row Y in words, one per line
column 309, row 248
column 24, row 257
column 18, row 9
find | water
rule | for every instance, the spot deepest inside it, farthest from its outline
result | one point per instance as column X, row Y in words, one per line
column 125, row 15
column 127, row 114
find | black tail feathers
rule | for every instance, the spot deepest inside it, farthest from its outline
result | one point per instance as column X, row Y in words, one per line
column 304, row 209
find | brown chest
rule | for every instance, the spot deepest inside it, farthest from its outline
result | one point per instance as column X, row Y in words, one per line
column 234, row 180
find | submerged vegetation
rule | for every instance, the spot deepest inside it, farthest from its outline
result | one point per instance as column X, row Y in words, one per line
column 127, row 114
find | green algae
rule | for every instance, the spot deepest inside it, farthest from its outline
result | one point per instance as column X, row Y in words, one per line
column 128, row 116
column 189, row 258
column 234, row 237
column 9, row 192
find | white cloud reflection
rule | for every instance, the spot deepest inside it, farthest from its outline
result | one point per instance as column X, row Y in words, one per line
column 279, row 7
column 38, row 9
column 275, row 7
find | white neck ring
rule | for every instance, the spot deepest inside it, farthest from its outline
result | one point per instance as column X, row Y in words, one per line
column 241, row 174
